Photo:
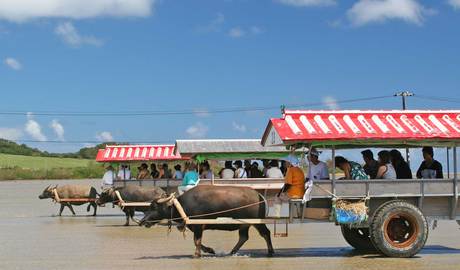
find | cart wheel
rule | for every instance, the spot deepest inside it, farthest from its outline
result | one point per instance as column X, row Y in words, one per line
column 358, row 238
column 399, row 229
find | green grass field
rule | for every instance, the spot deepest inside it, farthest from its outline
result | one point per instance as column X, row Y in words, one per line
column 14, row 167
column 11, row 161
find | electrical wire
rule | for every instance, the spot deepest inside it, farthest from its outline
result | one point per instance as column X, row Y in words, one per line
column 183, row 112
column 443, row 99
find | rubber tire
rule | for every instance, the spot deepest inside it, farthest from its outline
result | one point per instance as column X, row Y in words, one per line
column 359, row 239
column 377, row 233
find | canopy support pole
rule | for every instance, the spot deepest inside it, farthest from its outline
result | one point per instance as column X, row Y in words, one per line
column 448, row 163
column 455, row 198
column 333, row 170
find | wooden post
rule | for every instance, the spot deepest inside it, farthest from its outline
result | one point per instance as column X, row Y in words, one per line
column 448, row 163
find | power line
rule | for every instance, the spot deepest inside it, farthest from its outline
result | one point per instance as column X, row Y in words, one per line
column 443, row 99
column 181, row 112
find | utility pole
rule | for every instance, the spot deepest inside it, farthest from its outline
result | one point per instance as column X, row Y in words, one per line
column 403, row 95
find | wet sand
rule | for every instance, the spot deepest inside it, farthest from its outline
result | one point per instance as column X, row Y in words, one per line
column 32, row 237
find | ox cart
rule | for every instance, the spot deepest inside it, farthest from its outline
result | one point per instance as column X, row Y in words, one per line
column 398, row 210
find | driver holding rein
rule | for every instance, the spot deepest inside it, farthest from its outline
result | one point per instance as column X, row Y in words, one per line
column 294, row 185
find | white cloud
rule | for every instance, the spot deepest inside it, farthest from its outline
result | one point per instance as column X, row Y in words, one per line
column 104, row 136
column 331, row 103
column 69, row 34
column 197, row 131
column 58, row 129
column 255, row 30
column 214, row 25
column 24, row 10
column 11, row 134
column 239, row 127
column 201, row 112
column 372, row 11
column 13, row 63
column 454, row 3
column 307, row 3
column 236, row 32
column 34, row 129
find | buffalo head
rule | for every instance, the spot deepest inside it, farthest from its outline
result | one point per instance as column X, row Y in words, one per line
column 107, row 196
column 47, row 193
column 159, row 210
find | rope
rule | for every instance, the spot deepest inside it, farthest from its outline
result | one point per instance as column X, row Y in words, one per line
column 212, row 213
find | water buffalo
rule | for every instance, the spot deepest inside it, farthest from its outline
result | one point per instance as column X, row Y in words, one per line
column 131, row 194
column 72, row 192
column 203, row 200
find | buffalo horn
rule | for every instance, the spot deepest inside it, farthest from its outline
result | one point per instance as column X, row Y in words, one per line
column 164, row 200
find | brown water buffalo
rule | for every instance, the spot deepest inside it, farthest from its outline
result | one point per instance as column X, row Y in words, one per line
column 203, row 200
column 72, row 192
column 131, row 194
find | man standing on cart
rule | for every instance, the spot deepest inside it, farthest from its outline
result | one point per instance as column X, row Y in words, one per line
column 294, row 185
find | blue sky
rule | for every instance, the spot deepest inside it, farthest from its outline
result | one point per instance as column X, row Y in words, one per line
column 145, row 55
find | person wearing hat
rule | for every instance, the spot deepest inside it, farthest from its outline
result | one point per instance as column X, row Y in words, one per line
column 240, row 172
column 124, row 173
column 294, row 184
column 190, row 180
column 371, row 165
column 317, row 170
column 108, row 178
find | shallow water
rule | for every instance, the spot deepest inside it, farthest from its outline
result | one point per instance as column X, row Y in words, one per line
column 32, row 237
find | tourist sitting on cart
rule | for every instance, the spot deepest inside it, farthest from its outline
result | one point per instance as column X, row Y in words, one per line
column 351, row 169
column 154, row 173
column 386, row 169
column 371, row 165
column 165, row 173
column 317, row 170
column 124, row 173
column 143, row 172
column 274, row 171
column 255, row 172
column 430, row 168
column 228, row 172
column 178, row 172
column 191, row 179
column 240, row 172
column 294, row 185
column 206, row 172
column 108, row 178
column 402, row 169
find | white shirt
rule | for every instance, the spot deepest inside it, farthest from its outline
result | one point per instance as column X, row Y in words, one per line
column 241, row 173
column 390, row 173
column 318, row 171
column 274, row 172
column 124, row 174
column 108, row 178
column 228, row 174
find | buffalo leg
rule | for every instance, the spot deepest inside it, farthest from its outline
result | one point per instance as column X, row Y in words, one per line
column 265, row 233
column 131, row 214
column 244, row 236
column 95, row 208
column 71, row 209
column 127, row 217
column 62, row 209
column 207, row 250
column 197, row 235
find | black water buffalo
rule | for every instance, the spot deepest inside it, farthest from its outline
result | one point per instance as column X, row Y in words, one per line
column 131, row 194
column 72, row 192
column 203, row 200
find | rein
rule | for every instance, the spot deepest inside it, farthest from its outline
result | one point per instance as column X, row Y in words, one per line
column 209, row 214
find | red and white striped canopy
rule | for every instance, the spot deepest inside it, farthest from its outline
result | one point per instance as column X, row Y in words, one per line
column 127, row 153
column 347, row 127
